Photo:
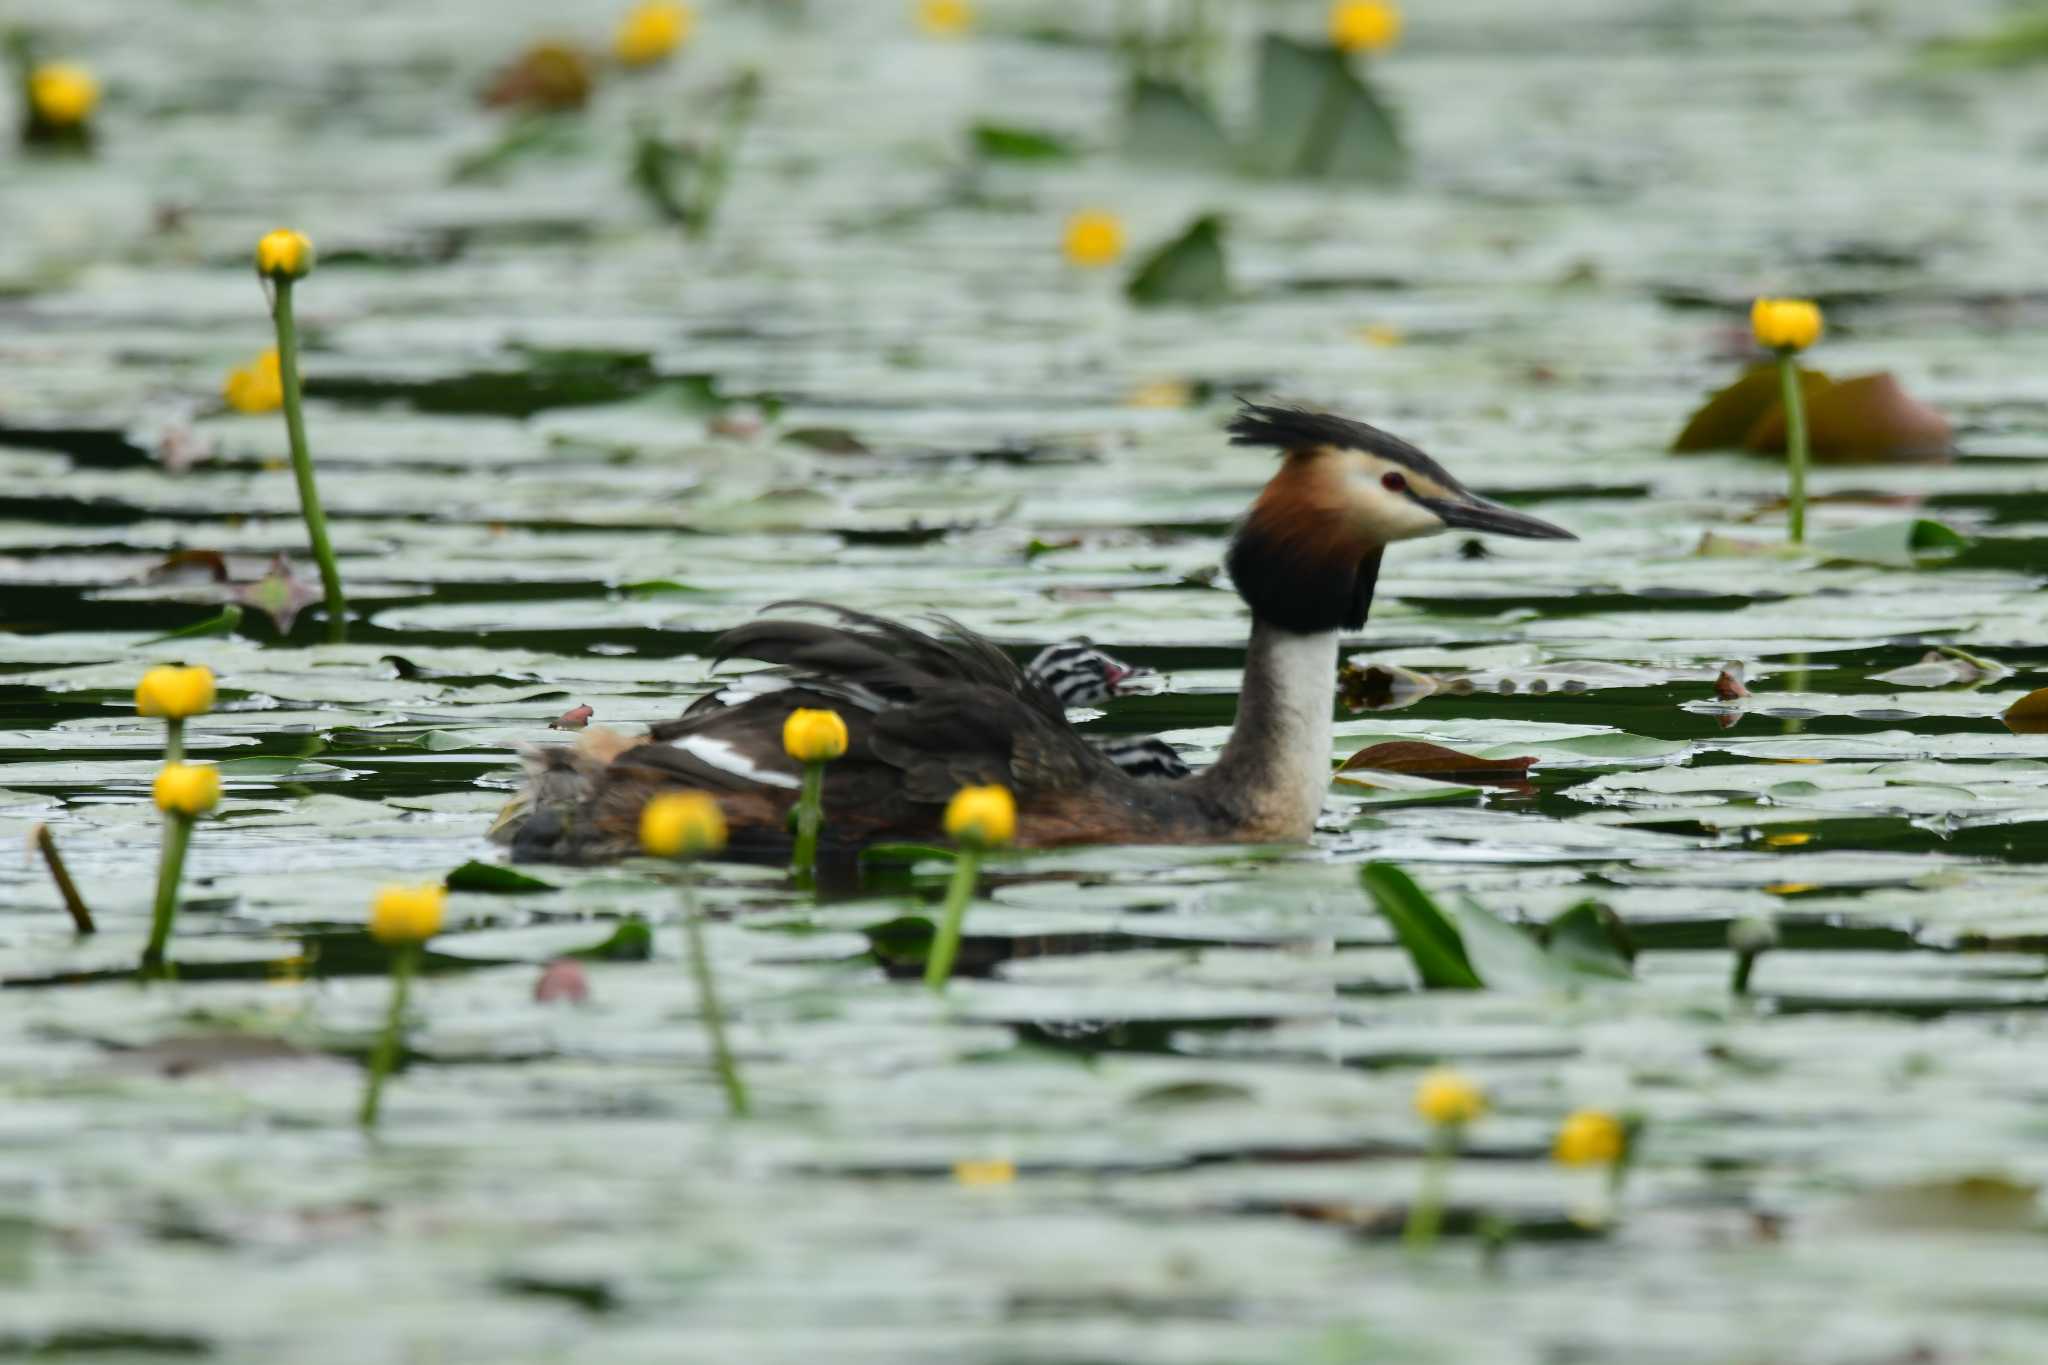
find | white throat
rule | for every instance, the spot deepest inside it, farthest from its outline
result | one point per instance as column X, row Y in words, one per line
column 1275, row 771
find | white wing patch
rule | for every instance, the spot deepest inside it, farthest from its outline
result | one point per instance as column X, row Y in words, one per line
column 726, row 757
column 752, row 685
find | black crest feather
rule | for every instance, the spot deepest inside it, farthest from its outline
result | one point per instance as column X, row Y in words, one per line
column 1293, row 429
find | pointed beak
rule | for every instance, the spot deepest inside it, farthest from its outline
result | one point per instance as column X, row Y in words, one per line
column 1480, row 514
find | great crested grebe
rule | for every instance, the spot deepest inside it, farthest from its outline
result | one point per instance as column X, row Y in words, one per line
column 930, row 713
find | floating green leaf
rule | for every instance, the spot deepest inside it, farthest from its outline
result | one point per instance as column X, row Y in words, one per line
column 1188, row 269
column 1432, row 940
column 1169, row 126
column 1000, row 142
column 1894, row 544
column 495, row 880
column 1317, row 117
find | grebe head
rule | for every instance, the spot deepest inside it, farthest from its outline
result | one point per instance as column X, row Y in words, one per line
column 1081, row 675
column 1307, row 554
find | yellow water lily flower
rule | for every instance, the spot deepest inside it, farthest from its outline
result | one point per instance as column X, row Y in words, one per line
column 257, row 386
column 682, row 825
column 982, row 817
column 1364, row 25
column 284, row 254
column 1447, row 1098
column 1785, row 324
column 1093, row 239
column 1590, row 1137
column 813, row 736
column 188, row 789
column 174, row 693
column 63, row 94
column 407, row 914
column 945, row 18
column 998, row 1170
column 651, row 32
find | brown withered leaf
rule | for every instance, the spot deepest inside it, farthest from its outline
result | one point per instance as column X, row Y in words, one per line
column 203, row 564
column 1867, row 418
column 1728, row 686
column 575, row 718
column 1726, row 419
column 551, row 76
column 1422, row 759
column 2029, row 715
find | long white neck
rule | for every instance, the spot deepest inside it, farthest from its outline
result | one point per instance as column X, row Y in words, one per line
column 1275, row 771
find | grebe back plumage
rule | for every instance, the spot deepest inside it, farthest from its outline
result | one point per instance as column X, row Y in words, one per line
column 929, row 713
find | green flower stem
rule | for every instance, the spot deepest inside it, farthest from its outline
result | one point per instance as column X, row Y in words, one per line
column 174, row 739
column 46, row 844
column 1745, row 962
column 170, row 868
column 405, row 960
column 302, row 463
column 938, row 964
column 1426, row 1218
column 707, row 999
column 810, row 814
column 1795, row 445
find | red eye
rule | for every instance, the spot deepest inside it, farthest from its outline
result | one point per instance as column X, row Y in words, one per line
column 1393, row 481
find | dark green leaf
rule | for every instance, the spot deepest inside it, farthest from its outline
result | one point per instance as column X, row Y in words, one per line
column 490, row 877
column 631, row 941
column 1000, row 142
column 1188, row 269
column 1432, row 940
column 1589, row 938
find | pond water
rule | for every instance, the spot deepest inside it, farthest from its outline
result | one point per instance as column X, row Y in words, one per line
column 563, row 448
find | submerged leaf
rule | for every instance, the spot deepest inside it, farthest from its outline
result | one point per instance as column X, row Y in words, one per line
column 1188, row 269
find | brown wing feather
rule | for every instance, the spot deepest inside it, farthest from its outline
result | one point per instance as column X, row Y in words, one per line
column 926, row 715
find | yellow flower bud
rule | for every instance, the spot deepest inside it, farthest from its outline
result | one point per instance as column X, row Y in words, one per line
column 1446, row 1098
column 650, row 32
column 1093, row 239
column 175, row 693
column 982, row 817
column 1364, row 25
column 407, row 914
column 1590, row 1137
column 682, row 825
column 257, row 386
column 945, row 18
column 62, row 94
column 1785, row 324
column 284, row 255
column 813, row 736
column 189, row 789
